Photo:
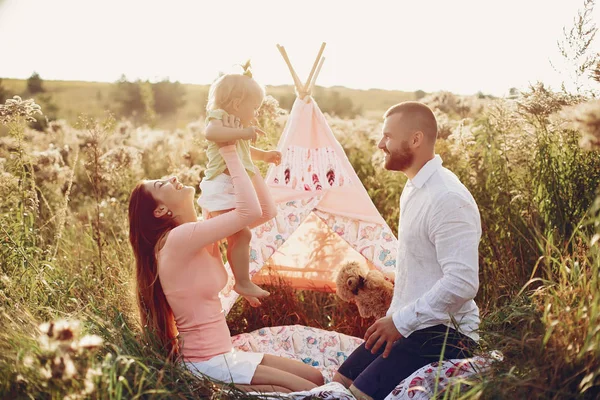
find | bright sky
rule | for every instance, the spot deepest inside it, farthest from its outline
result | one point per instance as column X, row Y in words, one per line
column 461, row 45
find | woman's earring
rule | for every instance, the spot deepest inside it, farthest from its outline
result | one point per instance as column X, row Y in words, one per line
column 170, row 213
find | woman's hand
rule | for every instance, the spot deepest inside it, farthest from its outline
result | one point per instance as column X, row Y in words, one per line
column 250, row 133
column 230, row 121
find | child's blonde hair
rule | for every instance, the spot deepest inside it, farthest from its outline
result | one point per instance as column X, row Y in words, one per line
column 230, row 87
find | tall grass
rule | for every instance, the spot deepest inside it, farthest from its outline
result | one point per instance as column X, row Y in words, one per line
column 532, row 163
column 65, row 252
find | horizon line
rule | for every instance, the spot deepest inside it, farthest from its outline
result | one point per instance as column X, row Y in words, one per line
column 271, row 85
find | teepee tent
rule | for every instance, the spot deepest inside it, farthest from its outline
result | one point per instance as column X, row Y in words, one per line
column 325, row 216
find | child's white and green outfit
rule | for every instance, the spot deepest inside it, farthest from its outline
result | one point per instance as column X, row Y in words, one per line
column 216, row 186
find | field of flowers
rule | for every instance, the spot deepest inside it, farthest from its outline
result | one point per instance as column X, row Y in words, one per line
column 69, row 325
column 68, row 321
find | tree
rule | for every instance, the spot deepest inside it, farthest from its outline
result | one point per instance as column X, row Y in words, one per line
column 128, row 97
column 143, row 100
column 3, row 93
column 286, row 101
column 419, row 94
column 168, row 97
column 333, row 102
column 35, row 84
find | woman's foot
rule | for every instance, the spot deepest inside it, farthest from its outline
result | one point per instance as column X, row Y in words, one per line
column 249, row 289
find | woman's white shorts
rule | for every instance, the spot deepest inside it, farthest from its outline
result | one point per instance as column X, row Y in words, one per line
column 236, row 367
column 217, row 194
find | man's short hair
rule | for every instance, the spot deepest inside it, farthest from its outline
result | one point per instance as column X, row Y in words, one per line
column 417, row 116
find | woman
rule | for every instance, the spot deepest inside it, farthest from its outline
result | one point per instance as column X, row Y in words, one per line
column 180, row 273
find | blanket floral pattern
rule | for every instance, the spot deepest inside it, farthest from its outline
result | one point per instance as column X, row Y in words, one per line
column 326, row 351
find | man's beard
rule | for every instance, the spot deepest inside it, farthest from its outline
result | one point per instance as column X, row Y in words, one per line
column 399, row 160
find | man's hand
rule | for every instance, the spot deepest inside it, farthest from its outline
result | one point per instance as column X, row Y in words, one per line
column 382, row 331
column 272, row 157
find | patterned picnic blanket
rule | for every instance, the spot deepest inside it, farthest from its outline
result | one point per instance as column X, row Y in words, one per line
column 326, row 351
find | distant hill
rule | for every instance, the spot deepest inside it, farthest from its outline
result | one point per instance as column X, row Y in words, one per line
column 93, row 98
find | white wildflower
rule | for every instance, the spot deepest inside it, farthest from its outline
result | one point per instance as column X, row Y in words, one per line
column 65, row 330
column 70, row 370
column 5, row 279
column 28, row 361
column 90, row 342
column 45, row 373
column 17, row 108
column 90, row 376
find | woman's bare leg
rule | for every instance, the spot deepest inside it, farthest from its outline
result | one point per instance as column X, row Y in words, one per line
column 272, row 376
column 263, row 388
column 294, row 367
column 342, row 379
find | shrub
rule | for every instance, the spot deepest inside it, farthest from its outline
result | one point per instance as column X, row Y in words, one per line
column 35, row 84
column 168, row 97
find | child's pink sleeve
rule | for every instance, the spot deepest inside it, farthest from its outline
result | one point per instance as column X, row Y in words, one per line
column 194, row 236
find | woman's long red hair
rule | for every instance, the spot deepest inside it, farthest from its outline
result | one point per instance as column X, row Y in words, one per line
column 145, row 230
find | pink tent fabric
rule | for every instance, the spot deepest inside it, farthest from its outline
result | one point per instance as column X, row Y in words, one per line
column 325, row 216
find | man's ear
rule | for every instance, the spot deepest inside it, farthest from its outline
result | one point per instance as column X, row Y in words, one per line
column 417, row 139
column 160, row 211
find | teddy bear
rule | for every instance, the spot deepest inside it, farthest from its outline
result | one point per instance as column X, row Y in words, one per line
column 369, row 289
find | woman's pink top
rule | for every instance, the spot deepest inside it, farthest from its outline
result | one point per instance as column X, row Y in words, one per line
column 191, row 270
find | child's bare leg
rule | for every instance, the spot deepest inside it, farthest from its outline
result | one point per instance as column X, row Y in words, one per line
column 238, row 254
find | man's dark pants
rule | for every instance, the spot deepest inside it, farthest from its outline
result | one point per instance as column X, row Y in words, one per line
column 377, row 376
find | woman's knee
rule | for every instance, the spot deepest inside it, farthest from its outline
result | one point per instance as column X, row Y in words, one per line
column 317, row 377
column 265, row 375
column 339, row 378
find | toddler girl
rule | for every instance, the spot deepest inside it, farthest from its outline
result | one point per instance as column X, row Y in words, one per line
column 236, row 96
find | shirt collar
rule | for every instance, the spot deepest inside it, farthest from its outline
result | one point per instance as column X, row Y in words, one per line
column 426, row 171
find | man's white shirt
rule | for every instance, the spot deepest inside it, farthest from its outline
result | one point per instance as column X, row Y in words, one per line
column 437, row 267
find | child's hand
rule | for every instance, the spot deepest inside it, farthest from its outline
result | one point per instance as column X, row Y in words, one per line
column 253, row 133
column 273, row 157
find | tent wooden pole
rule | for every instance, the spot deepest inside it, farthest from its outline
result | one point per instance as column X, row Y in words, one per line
column 297, row 82
column 314, row 79
column 314, row 67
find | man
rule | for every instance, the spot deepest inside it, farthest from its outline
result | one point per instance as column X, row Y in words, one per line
column 432, row 311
